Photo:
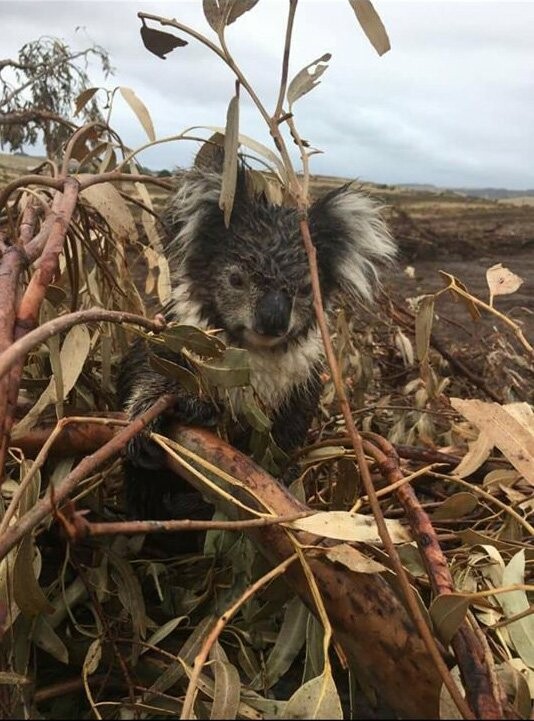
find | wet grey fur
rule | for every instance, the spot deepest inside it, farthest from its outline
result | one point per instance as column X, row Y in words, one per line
column 252, row 281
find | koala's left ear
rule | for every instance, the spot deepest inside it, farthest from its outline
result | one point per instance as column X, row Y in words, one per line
column 352, row 240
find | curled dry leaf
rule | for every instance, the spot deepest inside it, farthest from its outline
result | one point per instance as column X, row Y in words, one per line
column 502, row 281
column 423, row 326
column 160, row 43
column 83, row 98
column 351, row 558
column 459, row 292
column 220, row 13
column 106, row 200
column 477, row 454
column 405, row 348
column 306, row 79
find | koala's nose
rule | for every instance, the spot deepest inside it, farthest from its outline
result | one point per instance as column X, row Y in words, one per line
column 273, row 313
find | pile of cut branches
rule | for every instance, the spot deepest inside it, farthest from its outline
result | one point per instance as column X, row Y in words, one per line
column 399, row 559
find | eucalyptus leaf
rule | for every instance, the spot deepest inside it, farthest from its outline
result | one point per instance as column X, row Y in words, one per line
column 231, row 145
column 304, row 80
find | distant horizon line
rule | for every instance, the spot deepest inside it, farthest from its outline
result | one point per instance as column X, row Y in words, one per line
column 404, row 184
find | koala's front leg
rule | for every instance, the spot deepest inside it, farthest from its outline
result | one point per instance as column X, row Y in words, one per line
column 292, row 421
column 139, row 386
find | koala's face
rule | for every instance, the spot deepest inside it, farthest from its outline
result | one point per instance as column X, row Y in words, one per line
column 261, row 309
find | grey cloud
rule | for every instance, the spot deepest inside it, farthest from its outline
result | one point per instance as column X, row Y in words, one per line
column 452, row 103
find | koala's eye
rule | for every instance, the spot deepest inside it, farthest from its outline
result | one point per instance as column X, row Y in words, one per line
column 236, row 280
column 305, row 290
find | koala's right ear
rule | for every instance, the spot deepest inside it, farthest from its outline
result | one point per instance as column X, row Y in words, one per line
column 352, row 240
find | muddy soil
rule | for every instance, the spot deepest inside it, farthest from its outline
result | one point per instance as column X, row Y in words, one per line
column 465, row 242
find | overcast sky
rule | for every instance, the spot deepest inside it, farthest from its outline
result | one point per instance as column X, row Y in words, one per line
column 452, row 103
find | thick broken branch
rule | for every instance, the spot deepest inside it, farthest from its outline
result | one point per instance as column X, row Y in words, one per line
column 369, row 621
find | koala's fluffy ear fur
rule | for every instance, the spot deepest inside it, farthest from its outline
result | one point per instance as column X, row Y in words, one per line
column 352, row 240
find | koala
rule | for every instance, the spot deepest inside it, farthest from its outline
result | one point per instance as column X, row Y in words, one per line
column 251, row 281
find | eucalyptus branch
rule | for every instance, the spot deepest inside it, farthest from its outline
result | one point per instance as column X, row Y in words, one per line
column 44, row 180
column 285, row 62
column 491, row 309
column 227, row 58
column 80, row 528
column 89, row 464
column 304, row 157
column 18, row 350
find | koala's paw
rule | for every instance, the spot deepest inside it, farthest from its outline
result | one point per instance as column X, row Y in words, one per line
column 144, row 453
column 196, row 412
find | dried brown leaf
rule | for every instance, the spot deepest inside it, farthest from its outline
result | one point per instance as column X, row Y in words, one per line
column 160, row 43
column 140, row 110
column 502, row 281
column 231, row 144
column 307, row 78
column 513, row 437
column 372, row 25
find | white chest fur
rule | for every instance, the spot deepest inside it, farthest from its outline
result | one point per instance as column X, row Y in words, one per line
column 274, row 375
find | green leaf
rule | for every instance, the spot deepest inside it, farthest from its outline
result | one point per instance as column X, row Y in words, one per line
column 456, row 506
column 288, row 643
column 448, row 612
column 230, row 371
column 194, row 339
column 316, row 699
column 45, row 638
column 227, row 690
column 28, row 594
column 172, row 370
column 515, row 602
column 129, row 592
column 253, row 413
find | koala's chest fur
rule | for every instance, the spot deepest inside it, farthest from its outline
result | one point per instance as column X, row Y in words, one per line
column 275, row 375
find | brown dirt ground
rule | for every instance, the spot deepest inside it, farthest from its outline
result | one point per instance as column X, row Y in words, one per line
column 465, row 239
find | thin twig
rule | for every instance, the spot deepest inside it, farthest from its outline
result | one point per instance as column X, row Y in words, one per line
column 285, row 62
column 18, row 350
column 216, row 631
column 81, row 527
